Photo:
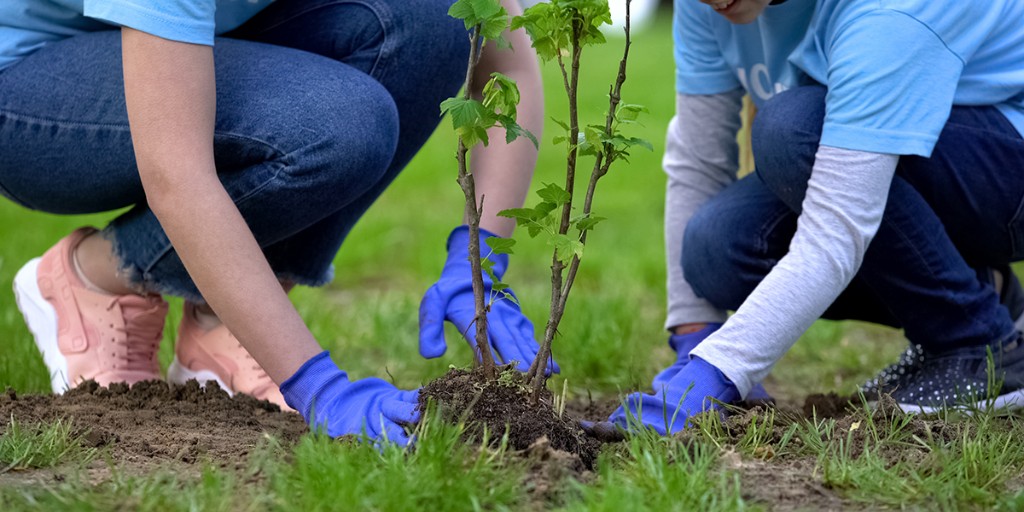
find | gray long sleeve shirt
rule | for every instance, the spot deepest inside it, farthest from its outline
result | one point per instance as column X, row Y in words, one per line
column 841, row 212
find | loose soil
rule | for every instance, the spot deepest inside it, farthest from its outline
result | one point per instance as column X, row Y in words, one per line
column 502, row 407
column 155, row 425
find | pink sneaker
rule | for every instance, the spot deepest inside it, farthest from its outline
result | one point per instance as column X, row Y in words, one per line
column 84, row 334
column 217, row 355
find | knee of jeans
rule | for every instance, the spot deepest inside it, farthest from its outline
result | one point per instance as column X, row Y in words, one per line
column 708, row 261
column 785, row 137
column 350, row 143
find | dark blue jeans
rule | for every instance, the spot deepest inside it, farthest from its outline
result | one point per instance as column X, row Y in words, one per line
column 320, row 104
column 948, row 218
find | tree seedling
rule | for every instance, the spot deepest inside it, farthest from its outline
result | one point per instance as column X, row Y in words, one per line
column 560, row 30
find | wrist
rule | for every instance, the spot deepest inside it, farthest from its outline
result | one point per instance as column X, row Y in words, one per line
column 709, row 382
column 312, row 382
column 690, row 328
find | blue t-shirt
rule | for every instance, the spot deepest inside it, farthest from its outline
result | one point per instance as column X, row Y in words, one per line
column 27, row 25
column 894, row 68
column 714, row 55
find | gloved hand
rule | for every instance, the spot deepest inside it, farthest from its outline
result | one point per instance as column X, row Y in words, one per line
column 326, row 398
column 687, row 394
column 509, row 332
column 682, row 344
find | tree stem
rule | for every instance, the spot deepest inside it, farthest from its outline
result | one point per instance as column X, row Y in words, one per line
column 472, row 212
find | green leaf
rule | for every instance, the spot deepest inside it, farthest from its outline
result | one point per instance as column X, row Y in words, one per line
column 500, row 245
column 561, row 123
column 489, row 15
column 549, row 27
column 554, row 194
column 588, row 223
column 566, row 247
column 544, row 208
column 501, row 95
column 508, row 296
column 513, row 131
column 590, row 140
column 517, row 213
column 470, row 118
column 629, row 112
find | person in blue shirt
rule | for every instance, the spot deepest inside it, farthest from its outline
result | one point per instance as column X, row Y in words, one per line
column 888, row 187
column 246, row 138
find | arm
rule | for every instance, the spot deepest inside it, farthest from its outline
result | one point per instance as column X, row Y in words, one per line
column 842, row 210
column 170, row 95
column 503, row 171
column 700, row 160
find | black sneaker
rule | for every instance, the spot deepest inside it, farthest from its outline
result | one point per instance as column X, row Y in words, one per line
column 1011, row 295
column 961, row 378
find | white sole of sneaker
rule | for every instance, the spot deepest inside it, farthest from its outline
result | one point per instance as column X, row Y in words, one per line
column 1008, row 402
column 177, row 373
column 42, row 322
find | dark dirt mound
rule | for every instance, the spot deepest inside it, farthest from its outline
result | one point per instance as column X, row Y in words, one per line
column 466, row 396
column 156, row 423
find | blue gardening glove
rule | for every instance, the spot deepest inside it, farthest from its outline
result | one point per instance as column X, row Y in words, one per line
column 509, row 332
column 682, row 344
column 687, row 394
column 326, row 398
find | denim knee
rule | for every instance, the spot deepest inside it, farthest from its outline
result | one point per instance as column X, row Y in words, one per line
column 784, row 137
column 349, row 142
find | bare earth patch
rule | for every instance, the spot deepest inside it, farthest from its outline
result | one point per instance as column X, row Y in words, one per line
column 155, row 425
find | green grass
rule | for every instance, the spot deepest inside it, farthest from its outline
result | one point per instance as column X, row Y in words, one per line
column 40, row 446
column 612, row 341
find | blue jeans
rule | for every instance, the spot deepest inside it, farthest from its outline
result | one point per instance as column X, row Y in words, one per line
column 320, row 104
column 948, row 219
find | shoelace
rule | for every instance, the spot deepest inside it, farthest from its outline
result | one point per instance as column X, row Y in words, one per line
column 143, row 329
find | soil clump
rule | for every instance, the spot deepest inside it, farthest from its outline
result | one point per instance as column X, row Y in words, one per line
column 502, row 407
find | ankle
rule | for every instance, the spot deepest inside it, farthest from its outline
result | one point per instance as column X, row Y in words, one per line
column 97, row 267
column 205, row 317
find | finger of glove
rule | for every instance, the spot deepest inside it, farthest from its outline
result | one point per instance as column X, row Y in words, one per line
column 604, row 431
column 512, row 341
column 464, row 319
column 400, row 411
column 641, row 410
column 432, row 316
column 504, row 341
column 529, row 346
column 397, row 434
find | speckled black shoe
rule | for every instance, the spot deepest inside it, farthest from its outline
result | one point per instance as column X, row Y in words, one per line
column 885, row 381
column 1011, row 295
column 960, row 378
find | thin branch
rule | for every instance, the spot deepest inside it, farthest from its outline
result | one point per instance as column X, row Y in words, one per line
column 473, row 211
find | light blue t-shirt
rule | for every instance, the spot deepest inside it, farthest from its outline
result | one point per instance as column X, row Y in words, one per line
column 714, row 55
column 27, row 25
column 894, row 68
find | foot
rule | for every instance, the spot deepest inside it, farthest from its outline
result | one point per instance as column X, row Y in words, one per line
column 1011, row 296
column 211, row 352
column 85, row 333
column 964, row 378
